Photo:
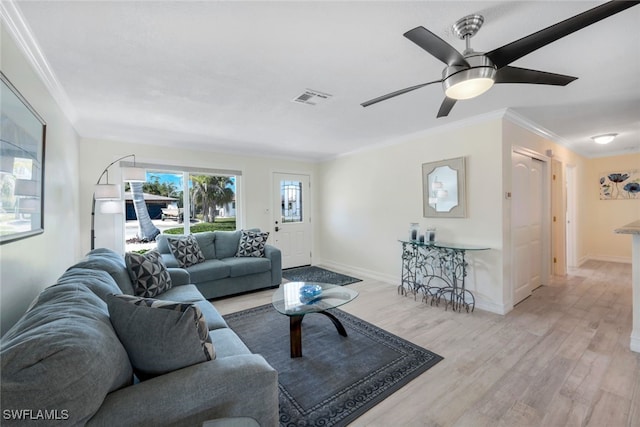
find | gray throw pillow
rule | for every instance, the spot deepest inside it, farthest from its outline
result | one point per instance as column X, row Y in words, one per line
column 186, row 250
column 148, row 273
column 252, row 243
column 160, row 336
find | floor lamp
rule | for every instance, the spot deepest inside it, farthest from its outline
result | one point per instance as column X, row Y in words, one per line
column 110, row 193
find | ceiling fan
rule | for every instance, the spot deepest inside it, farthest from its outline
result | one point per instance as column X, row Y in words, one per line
column 469, row 74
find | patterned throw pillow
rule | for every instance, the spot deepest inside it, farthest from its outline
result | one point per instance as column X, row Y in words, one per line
column 186, row 250
column 160, row 336
column 252, row 243
column 148, row 273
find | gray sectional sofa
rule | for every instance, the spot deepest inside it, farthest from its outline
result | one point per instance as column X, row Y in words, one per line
column 222, row 273
column 63, row 363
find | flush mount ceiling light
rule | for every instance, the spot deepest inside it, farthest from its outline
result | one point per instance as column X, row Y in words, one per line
column 604, row 139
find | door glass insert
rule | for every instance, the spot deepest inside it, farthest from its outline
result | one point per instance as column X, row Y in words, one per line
column 291, row 201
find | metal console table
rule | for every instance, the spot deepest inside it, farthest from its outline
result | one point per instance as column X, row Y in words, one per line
column 438, row 271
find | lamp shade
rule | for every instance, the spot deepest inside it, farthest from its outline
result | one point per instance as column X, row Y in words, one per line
column 133, row 174
column 26, row 187
column 107, row 191
column 111, row 207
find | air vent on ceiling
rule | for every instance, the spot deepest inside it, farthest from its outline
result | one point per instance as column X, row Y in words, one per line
column 312, row 97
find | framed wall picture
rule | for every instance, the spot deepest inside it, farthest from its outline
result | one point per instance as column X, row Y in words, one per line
column 443, row 188
column 22, row 142
column 620, row 185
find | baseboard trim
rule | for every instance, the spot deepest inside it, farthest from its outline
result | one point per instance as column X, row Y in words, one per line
column 351, row 270
column 608, row 258
column 492, row 307
column 481, row 304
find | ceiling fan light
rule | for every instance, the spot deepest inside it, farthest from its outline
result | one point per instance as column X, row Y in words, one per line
column 468, row 89
column 467, row 83
column 604, row 139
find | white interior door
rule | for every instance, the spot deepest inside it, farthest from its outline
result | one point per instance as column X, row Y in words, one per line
column 292, row 221
column 527, row 221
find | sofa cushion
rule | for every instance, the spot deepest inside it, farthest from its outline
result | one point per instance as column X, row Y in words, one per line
column 186, row 250
column 160, row 336
column 113, row 263
column 211, row 269
column 252, row 243
column 63, row 354
column 99, row 282
column 245, row 266
column 207, row 244
column 226, row 243
column 189, row 293
column 148, row 273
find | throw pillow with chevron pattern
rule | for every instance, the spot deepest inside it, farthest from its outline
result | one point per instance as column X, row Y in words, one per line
column 148, row 273
column 160, row 336
column 186, row 250
column 252, row 244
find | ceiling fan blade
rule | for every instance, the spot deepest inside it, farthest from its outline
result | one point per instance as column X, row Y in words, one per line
column 396, row 93
column 436, row 46
column 446, row 107
column 511, row 74
column 508, row 53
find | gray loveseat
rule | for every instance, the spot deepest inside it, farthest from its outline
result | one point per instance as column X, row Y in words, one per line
column 63, row 363
column 222, row 273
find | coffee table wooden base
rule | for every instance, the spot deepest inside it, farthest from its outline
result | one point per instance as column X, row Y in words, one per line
column 295, row 331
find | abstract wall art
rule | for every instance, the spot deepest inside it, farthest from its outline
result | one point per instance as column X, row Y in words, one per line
column 622, row 185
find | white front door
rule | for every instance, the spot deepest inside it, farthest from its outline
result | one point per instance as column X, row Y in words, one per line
column 292, row 220
column 526, row 225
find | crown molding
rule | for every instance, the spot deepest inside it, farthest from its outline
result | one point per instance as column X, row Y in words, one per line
column 18, row 28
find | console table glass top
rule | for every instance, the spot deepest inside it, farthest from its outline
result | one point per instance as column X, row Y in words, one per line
column 446, row 245
column 437, row 270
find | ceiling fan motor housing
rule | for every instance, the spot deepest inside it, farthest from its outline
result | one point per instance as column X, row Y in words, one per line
column 460, row 82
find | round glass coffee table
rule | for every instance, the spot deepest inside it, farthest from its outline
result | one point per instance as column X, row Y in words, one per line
column 296, row 299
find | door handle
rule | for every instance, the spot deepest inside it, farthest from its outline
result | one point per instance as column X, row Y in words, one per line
column 277, row 229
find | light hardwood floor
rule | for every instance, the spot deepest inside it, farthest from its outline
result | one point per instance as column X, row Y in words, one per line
column 560, row 358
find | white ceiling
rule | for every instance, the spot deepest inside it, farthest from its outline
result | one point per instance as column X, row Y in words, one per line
column 222, row 75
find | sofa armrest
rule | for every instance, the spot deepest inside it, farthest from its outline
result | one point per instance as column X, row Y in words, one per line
column 275, row 256
column 242, row 385
column 179, row 276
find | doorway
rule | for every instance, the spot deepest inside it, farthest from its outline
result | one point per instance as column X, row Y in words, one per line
column 529, row 223
column 570, row 230
column 292, row 220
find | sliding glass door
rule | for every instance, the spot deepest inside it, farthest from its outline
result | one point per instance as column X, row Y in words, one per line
column 175, row 201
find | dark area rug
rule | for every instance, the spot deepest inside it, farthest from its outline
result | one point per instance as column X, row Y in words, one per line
column 317, row 274
column 337, row 379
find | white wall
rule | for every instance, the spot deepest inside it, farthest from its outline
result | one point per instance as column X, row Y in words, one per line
column 607, row 215
column 368, row 199
column 255, row 186
column 27, row 266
